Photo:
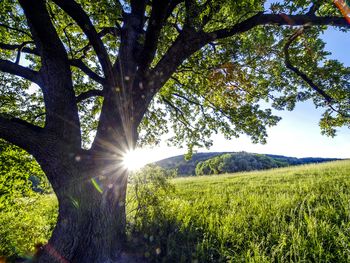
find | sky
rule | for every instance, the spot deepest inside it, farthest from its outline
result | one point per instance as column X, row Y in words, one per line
column 297, row 134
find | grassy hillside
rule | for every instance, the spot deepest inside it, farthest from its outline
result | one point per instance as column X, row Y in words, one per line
column 294, row 214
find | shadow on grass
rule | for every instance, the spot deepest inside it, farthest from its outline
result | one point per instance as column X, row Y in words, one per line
column 166, row 240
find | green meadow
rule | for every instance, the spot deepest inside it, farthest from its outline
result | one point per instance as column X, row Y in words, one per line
column 294, row 214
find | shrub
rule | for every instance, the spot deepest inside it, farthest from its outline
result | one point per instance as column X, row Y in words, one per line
column 149, row 191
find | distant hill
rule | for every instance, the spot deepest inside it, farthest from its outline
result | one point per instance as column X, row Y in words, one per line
column 188, row 168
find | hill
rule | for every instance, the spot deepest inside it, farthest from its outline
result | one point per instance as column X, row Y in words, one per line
column 188, row 168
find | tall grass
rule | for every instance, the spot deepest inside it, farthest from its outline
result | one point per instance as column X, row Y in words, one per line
column 295, row 214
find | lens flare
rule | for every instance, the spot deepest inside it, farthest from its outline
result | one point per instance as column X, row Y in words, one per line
column 133, row 160
column 344, row 7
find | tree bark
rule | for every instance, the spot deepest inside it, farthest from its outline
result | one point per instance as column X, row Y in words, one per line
column 92, row 219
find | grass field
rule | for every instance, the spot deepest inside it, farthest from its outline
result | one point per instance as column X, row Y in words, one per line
column 295, row 214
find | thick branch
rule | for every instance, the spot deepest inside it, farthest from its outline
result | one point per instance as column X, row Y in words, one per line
column 156, row 22
column 89, row 94
column 76, row 12
column 138, row 7
column 20, row 71
column 18, row 46
column 189, row 42
column 161, row 10
column 83, row 67
column 20, row 133
column 279, row 19
column 61, row 109
column 130, row 46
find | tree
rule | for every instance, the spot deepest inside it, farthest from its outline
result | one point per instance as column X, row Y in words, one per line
column 117, row 71
column 237, row 162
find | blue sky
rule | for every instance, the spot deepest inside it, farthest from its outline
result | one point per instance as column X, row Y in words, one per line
column 297, row 134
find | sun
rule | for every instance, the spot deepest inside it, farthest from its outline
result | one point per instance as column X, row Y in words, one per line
column 133, row 160
column 136, row 159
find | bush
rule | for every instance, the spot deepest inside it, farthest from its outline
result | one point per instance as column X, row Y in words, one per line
column 27, row 217
column 149, row 192
column 27, row 223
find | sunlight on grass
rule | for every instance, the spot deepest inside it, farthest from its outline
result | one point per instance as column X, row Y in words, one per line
column 293, row 214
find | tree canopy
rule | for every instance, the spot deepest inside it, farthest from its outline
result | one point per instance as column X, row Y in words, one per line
column 82, row 82
column 196, row 67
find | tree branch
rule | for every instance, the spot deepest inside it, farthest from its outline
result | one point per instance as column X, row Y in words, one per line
column 278, row 19
column 15, row 29
column 19, row 50
column 83, row 67
column 18, row 46
column 156, row 22
column 119, row 4
column 313, row 9
column 89, row 94
column 20, row 133
column 298, row 72
column 20, row 71
column 62, row 116
column 179, row 113
column 191, row 102
column 189, row 41
column 115, row 31
column 329, row 100
column 67, row 37
column 75, row 11
column 138, row 7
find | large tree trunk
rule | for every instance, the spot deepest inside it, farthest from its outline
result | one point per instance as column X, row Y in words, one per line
column 92, row 219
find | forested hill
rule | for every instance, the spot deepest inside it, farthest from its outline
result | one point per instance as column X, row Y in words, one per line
column 188, row 168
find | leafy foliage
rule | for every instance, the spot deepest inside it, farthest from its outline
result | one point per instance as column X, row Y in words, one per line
column 20, row 175
column 237, row 162
column 28, row 213
column 126, row 68
column 26, row 224
column 149, row 186
column 219, row 88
